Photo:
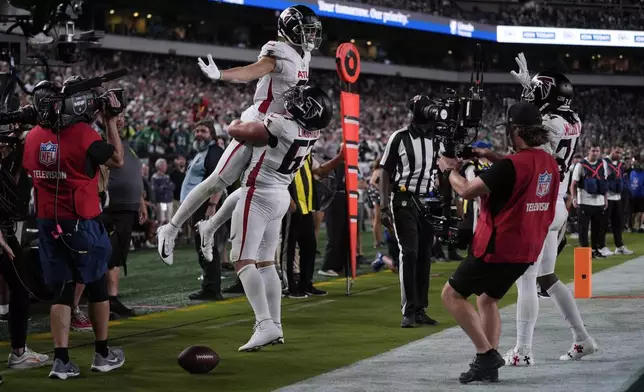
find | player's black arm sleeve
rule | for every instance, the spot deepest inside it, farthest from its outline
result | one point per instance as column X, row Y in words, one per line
column 98, row 153
column 500, row 178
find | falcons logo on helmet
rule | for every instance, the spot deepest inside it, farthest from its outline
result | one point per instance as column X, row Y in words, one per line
column 544, row 84
column 312, row 108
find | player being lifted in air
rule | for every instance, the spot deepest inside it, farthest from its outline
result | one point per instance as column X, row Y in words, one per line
column 280, row 145
column 552, row 92
column 281, row 65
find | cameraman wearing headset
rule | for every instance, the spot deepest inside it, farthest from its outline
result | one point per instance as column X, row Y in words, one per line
column 63, row 154
column 408, row 165
column 518, row 196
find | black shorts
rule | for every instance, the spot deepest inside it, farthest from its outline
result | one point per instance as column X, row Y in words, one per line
column 474, row 276
column 120, row 226
column 637, row 204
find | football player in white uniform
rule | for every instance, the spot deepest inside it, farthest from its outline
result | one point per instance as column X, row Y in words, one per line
column 280, row 144
column 552, row 93
column 281, row 65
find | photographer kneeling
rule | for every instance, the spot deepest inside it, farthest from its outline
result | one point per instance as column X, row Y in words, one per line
column 62, row 155
column 518, row 195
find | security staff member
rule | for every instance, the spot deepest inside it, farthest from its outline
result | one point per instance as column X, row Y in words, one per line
column 72, row 242
column 589, row 191
column 301, row 229
column 408, row 165
column 201, row 166
column 615, row 211
column 518, row 196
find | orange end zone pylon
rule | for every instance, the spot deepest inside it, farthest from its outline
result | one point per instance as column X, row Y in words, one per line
column 347, row 61
column 583, row 273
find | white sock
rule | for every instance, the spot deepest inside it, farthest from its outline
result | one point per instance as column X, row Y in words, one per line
column 273, row 287
column 527, row 309
column 196, row 198
column 225, row 212
column 255, row 291
column 563, row 299
column 4, row 309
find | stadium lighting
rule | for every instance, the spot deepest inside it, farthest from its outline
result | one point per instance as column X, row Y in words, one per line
column 136, row 14
column 353, row 41
column 621, row 57
column 599, row 56
column 203, row 22
column 449, row 51
column 149, row 16
column 111, row 12
column 593, row 57
column 567, row 54
column 369, row 43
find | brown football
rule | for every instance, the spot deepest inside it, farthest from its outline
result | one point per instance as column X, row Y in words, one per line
column 198, row 359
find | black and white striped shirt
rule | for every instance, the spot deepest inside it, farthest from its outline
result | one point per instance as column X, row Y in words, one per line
column 410, row 158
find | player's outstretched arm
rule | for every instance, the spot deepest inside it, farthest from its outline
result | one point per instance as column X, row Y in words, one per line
column 244, row 74
column 254, row 132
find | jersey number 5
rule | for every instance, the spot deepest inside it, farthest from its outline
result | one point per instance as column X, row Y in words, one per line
column 564, row 163
column 299, row 150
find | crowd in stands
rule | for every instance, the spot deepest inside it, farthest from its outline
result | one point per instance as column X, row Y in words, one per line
column 167, row 94
column 533, row 13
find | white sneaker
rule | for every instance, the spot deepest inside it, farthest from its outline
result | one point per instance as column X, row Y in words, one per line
column 280, row 340
column 328, row 273
column 605, row 252
column 166, row 235
column 578, row 350
column 207, row 235
column 623, row 250
column 266, row 332
column 28, row 360
column 518, row 357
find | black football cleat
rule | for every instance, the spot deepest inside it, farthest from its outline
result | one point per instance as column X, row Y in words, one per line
column 203, row 295
column 408, row 322
column 485, row 367
column 424, row 319
column 236, row 288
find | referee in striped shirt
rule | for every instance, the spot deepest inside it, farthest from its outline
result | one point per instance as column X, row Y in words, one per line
column 407, row 178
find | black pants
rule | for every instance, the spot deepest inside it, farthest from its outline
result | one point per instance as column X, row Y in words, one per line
column 211, row 270
column 302, row 233
column 119, row 226
column 592, row 216
column 19, row 296
column 415, row 238
column 614, row 216
column 336, row 219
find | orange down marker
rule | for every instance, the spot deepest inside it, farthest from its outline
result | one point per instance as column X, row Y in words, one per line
column 583, row 273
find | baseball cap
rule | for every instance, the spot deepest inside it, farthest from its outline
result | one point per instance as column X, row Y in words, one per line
column 524, row 114
column 482, row 144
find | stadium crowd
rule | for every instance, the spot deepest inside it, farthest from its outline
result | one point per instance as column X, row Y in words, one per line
column 531, row 13
column 168, row 93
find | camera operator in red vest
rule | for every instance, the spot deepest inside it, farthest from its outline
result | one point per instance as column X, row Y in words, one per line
column 518, row 196
column 63, row 159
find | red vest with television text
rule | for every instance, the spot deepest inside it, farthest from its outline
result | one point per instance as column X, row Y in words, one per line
column 516, row 234
column 49, row 160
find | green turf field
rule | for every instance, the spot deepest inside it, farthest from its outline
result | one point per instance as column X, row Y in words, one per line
column 321, row 333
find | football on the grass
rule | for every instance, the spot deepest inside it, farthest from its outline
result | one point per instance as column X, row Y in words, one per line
column 198, row 359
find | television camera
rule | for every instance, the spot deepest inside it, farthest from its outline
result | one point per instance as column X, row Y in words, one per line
column 448, row 119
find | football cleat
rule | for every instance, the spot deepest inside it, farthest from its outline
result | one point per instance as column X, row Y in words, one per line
column 265, row 333
column 207, row 236
column 578, row 350
column 517, row 357
column 623, row 250
column 166, row 235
